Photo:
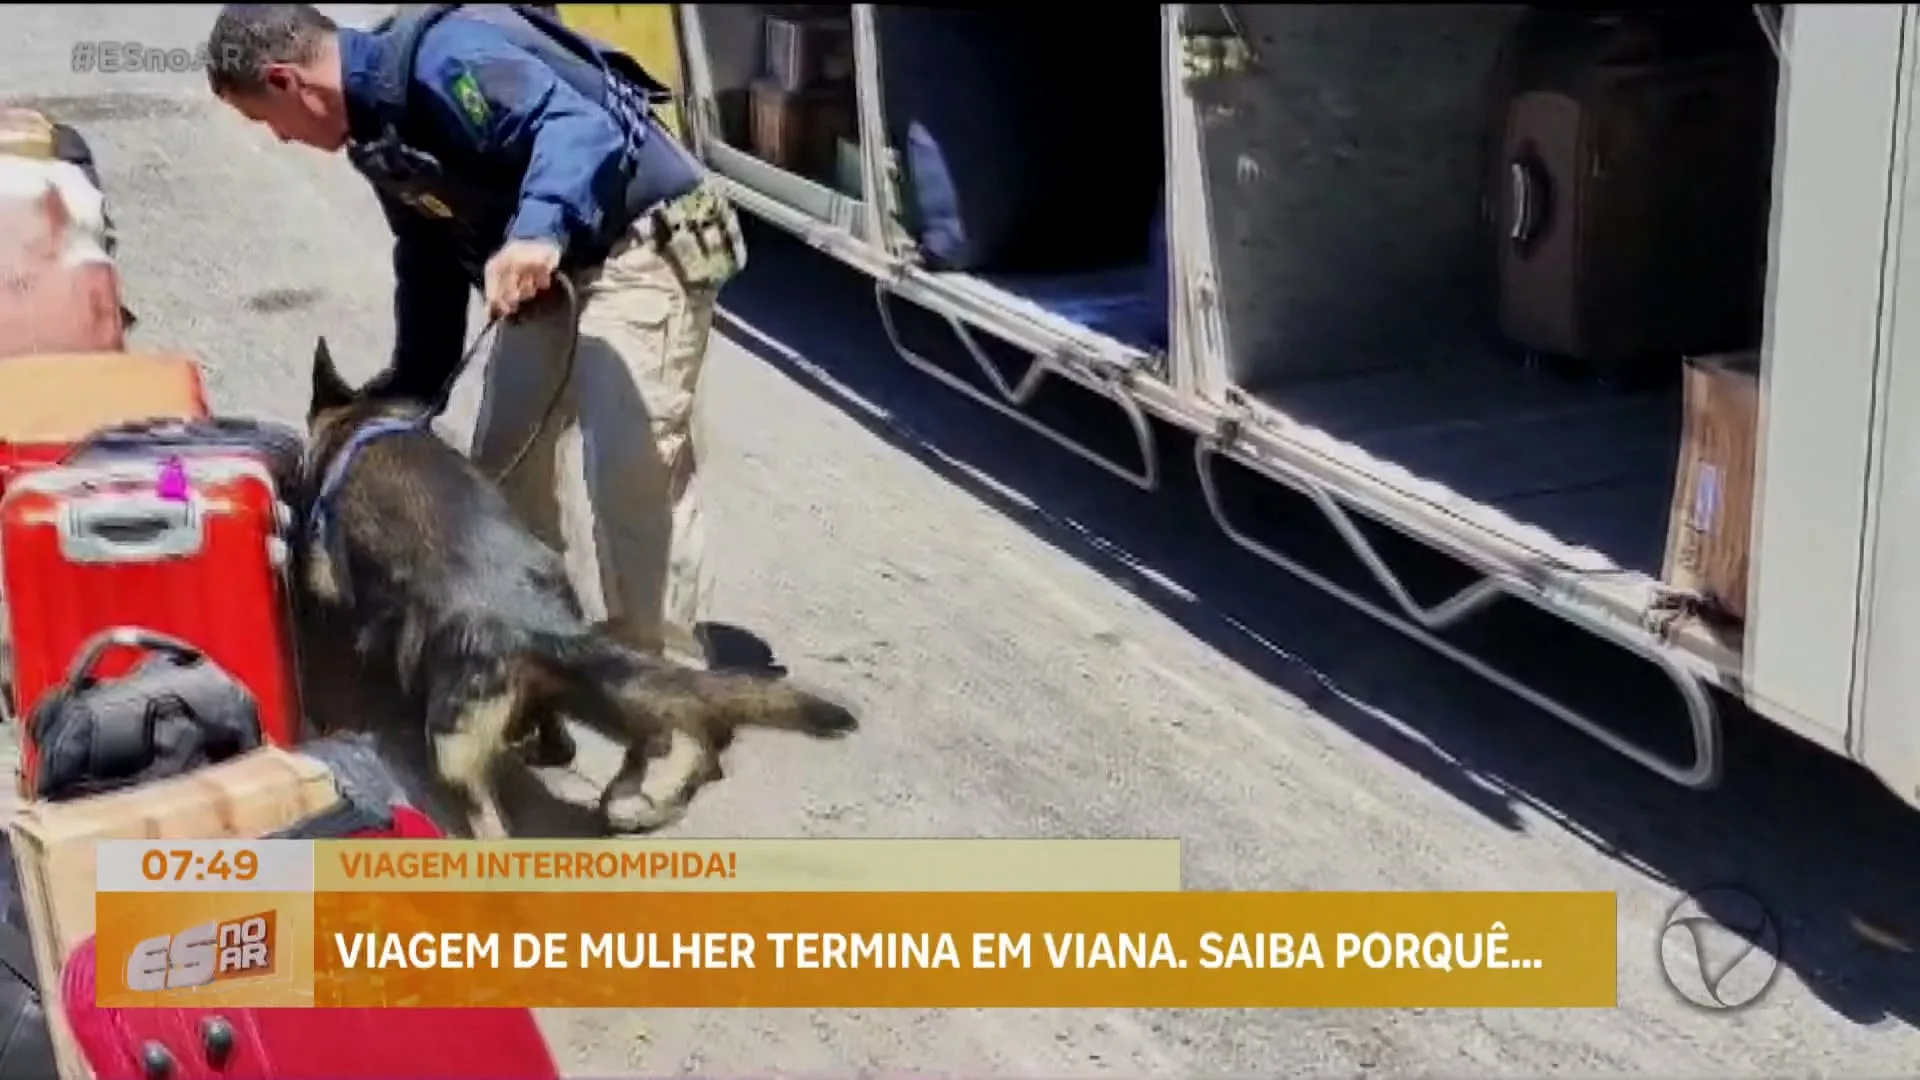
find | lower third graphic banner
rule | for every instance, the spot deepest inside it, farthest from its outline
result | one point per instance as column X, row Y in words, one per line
column 857, row 924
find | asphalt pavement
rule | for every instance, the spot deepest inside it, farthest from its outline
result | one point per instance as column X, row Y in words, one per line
column 1040, row 651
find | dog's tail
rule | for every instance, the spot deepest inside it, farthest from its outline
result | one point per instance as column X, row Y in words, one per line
column 597, row 671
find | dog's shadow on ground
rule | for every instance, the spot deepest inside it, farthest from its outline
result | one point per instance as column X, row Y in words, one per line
column 344, row 695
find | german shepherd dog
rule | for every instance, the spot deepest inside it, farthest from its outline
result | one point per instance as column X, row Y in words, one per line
column 426, row 562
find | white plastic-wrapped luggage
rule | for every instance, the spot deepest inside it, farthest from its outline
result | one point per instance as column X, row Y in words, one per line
column 62, row 288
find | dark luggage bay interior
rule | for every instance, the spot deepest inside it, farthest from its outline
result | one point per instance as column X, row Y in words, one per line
column 1357, row 238
column 1052, row 150
column 1348, row 173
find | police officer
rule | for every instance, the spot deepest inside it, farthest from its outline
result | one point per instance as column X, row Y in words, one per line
column 506, row 149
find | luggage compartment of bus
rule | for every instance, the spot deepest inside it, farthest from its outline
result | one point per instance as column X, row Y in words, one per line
column 1270, row 225
column 776, row 88
column 1351, row 196
column 1343, row 191
column 1060, row 222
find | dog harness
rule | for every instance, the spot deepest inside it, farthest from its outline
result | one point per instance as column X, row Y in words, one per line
column 321, row 521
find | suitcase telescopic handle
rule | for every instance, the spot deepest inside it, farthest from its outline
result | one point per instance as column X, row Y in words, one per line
column 1528, row 200
column 125, row 526
column 131, row 637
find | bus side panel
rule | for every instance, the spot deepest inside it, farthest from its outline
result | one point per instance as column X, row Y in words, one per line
column 1887, row 728
column 1838, row 94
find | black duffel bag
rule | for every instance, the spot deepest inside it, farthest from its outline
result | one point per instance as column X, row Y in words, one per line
column 173, row 713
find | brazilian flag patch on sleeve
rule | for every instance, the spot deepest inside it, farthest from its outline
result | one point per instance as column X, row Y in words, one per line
column 465, row 91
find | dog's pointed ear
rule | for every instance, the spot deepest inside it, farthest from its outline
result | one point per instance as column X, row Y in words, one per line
column 330, row 391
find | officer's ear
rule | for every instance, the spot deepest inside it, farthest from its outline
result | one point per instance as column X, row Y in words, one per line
column 330, row 391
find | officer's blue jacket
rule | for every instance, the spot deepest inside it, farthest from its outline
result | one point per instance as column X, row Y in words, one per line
column 523, row 154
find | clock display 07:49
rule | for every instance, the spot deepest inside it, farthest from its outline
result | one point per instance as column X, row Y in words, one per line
column 180, row 864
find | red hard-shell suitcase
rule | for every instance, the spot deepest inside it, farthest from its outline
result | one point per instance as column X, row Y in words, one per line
column 299, row 1044
column 310, row 1044
column 86, row 548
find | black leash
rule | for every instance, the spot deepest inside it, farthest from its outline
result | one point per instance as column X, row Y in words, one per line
column 334, row 473
column 572, row 294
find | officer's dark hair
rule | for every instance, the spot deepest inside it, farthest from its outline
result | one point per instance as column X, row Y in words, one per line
column 246, row 38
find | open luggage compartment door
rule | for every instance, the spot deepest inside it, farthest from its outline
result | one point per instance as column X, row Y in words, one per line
column 771, row 93
column 1344, row 174
column 1362, row 185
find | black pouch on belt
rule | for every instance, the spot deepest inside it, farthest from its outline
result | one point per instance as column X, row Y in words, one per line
column 173, row 713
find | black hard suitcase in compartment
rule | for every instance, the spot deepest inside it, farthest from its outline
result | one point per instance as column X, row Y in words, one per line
column 1628, row 188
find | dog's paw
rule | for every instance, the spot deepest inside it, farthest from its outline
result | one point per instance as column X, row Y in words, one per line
column 637, row 812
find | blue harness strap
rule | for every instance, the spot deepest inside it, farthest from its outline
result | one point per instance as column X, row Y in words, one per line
column 321, row 519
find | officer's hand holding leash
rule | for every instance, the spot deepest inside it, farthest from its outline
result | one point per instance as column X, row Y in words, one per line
column 518, row 272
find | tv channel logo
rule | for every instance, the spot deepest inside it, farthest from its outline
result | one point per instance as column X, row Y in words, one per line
column 242, row 948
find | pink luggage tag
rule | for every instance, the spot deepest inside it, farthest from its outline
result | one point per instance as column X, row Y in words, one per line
column 172, row 485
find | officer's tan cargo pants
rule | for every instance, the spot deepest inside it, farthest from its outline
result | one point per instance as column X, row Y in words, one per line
column 612, row 478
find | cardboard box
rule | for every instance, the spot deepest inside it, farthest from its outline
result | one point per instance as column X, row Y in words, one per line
column 800, row 132
column 49, row 402
column 64, row 397
column 1710, row 524
column 26, row 133
column 53, row 847
column 807, row 52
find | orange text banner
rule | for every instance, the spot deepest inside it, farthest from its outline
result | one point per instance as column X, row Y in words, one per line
column 961, row 950
column 201, row 949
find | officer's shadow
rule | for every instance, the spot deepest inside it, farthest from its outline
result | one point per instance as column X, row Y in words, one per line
column 602, row 420
column 621, row 457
